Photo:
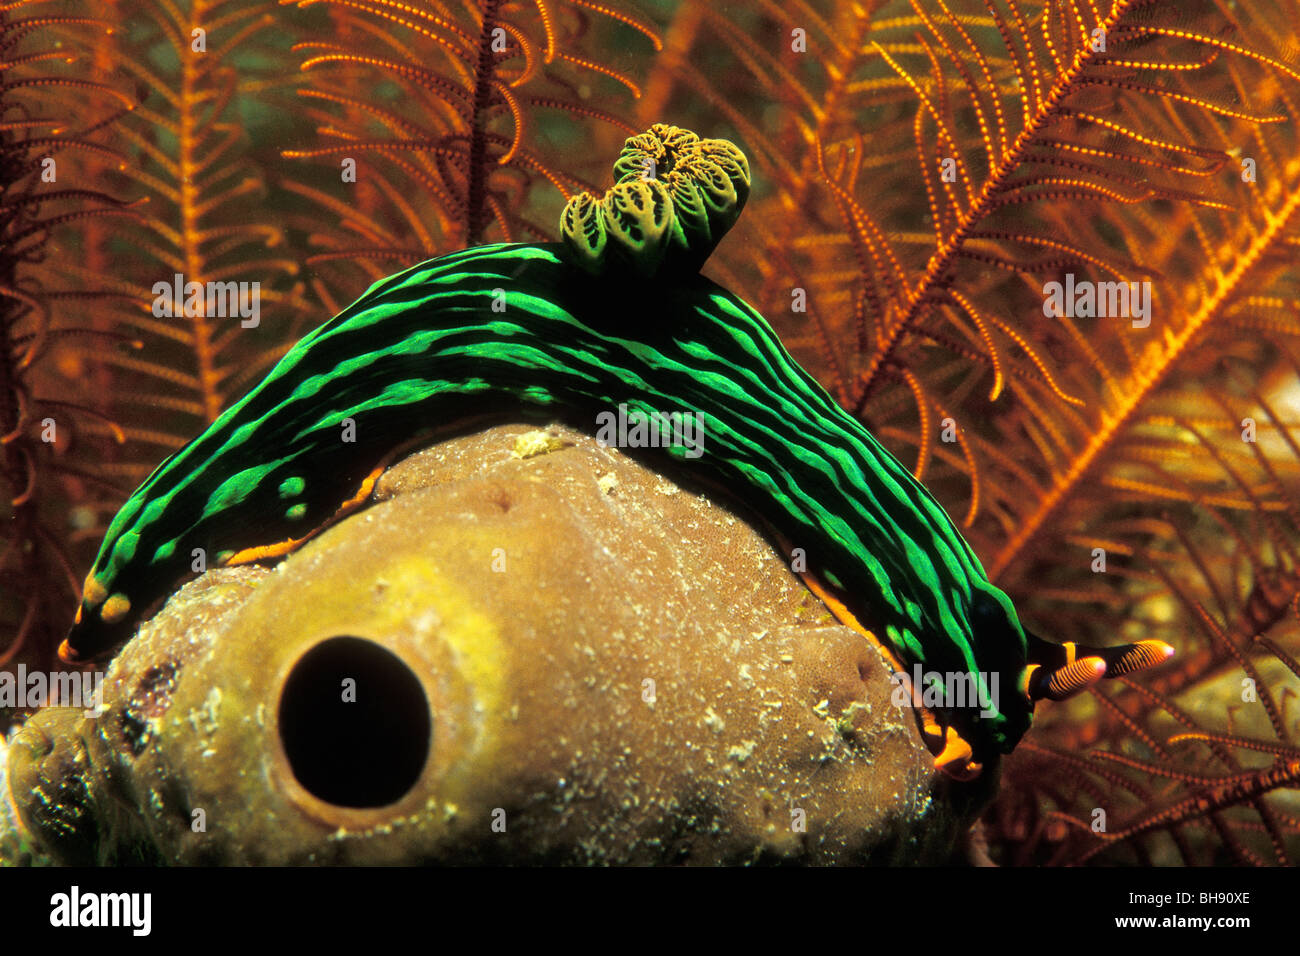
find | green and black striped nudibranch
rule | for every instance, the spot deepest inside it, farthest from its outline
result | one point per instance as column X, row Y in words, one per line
column 604, row 319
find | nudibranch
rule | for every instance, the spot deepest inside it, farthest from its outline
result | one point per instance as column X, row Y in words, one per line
column 615, row 315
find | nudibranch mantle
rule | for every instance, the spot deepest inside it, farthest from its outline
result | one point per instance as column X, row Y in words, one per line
column 494, row 328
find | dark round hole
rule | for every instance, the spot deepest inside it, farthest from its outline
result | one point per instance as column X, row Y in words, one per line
column 354, row 723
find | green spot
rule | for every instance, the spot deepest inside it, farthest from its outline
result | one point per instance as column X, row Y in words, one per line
column 124, row 550
column 292, row 487
column 224, row 556
column 235, row 489
column 297, row 512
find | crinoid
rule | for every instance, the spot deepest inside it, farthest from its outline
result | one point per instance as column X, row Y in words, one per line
column 439, row 122
column 54, row 119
